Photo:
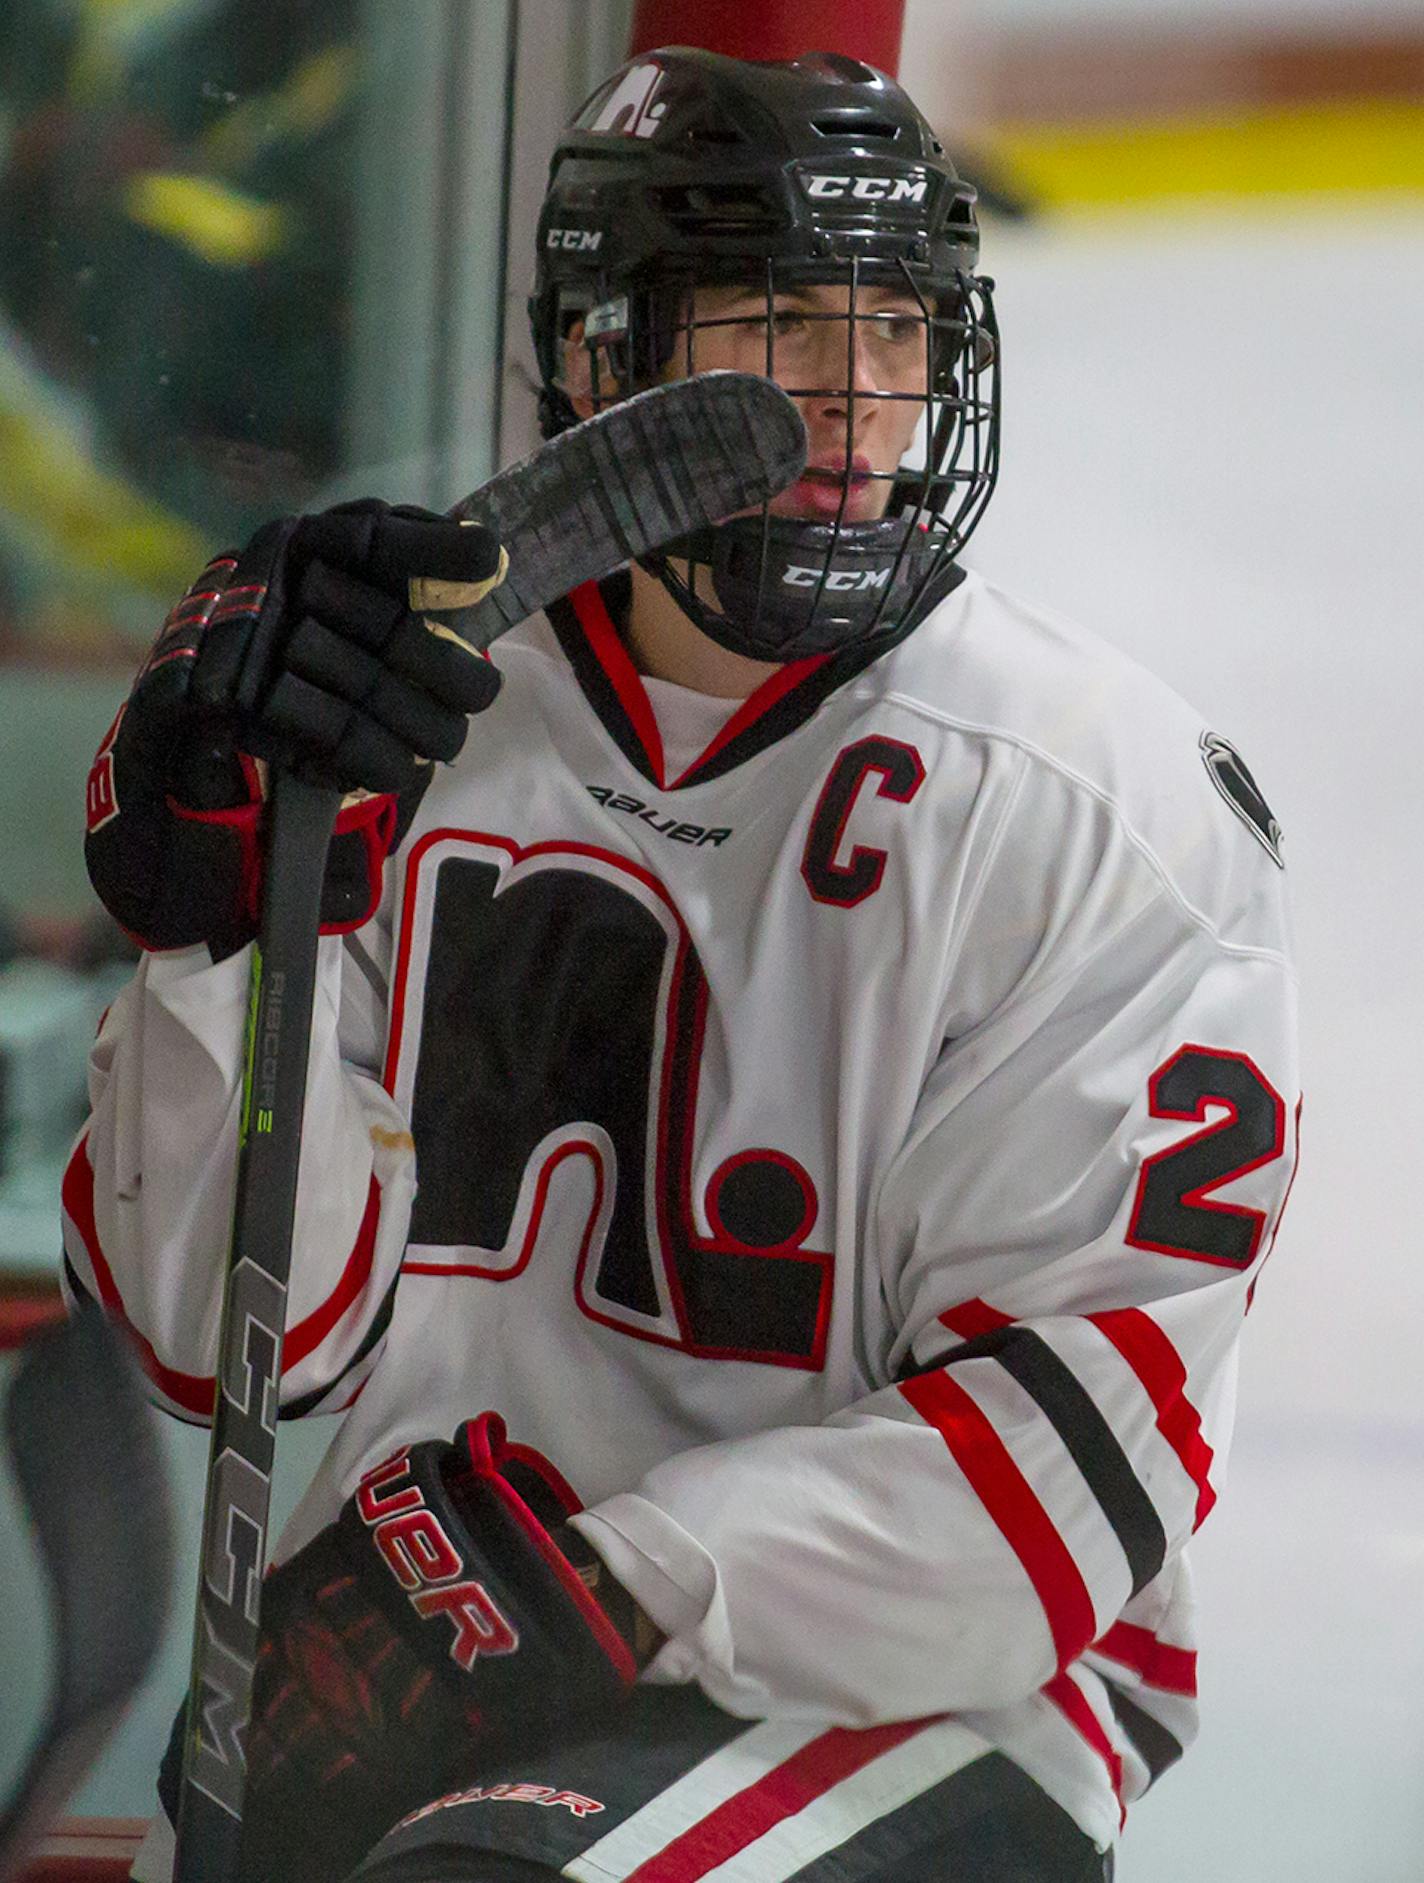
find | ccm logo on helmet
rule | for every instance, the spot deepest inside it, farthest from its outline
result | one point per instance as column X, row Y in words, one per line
column 419, row 1554
column 582, row 240
column 840, row 580
column 869, row 189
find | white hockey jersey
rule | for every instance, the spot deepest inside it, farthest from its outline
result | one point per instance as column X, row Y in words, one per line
column 849, row 1158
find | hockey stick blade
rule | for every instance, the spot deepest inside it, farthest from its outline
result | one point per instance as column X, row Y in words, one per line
column 630, row 480
column 633, row 479
column 87, row 1465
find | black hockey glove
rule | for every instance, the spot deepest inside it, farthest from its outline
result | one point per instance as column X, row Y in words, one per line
column 449, row 1609
column 300, row 650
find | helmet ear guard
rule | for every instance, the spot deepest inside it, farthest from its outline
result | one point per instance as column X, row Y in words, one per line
column 779, row 175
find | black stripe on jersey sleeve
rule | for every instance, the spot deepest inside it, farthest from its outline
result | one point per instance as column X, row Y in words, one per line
column 1107, row 1470
column 1153, row 1744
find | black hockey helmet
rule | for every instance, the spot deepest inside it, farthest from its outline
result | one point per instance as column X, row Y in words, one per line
column 689, row 171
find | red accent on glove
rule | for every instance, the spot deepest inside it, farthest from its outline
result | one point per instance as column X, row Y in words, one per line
column 490, row 1452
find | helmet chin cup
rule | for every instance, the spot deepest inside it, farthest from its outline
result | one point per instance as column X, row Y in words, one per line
column 787, row 588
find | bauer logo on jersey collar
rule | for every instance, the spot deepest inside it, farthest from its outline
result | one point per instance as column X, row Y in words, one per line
column 1232, row 778
column 656, row 819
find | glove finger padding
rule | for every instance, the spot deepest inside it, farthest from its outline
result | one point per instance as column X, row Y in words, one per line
column 435, row 1621
column 324, row 598
column 440, row 665
column 420, row 722
column 300, row 650
column 387, row 545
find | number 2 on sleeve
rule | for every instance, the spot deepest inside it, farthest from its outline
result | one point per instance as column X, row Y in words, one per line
column 1173, row 1212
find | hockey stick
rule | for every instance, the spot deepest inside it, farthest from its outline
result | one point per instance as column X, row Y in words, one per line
column 88, row 1468
column 630, row 480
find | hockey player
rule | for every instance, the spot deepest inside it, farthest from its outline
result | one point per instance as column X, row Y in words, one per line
column 803, row 1095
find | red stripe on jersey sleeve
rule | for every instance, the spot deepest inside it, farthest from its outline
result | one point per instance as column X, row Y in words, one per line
column 1172, row 1670
column 308, row 1335
column 778, row 1794
column 194, row 1391
column 1157, row 1364
column 189, row 1390
column 970, row 1318
column 1072, row 1703
column 1009, row 1499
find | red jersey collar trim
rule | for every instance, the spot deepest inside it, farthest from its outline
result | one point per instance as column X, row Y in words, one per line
column 607, row 646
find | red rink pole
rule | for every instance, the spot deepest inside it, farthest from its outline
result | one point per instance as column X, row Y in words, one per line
column 774, row 29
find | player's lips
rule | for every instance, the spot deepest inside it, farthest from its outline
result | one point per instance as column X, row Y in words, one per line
column 825, row 481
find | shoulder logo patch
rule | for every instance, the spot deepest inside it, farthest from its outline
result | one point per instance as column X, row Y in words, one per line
column 1232, row 777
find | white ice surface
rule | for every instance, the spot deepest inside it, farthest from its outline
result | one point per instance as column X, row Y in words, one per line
column 1213, row 441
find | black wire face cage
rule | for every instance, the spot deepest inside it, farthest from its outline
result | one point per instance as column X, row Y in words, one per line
column 898, row 380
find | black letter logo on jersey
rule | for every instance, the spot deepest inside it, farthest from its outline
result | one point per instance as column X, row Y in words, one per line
column 849, row 881
column 1233, row 780
column 554, row 1035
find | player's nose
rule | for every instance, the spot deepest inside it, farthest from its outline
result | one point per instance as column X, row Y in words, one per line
column 849, row 377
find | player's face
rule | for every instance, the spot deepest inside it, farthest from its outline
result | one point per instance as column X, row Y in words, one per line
column 861, row 398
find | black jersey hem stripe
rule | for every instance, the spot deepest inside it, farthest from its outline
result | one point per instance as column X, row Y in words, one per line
column 1150, row 1740
column 1105, row 1466
column 990, row 1805
column 782, row 717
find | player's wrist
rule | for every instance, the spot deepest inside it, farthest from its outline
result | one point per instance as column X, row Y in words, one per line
column 636, row 1628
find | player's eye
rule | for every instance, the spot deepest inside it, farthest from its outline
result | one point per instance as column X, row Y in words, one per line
column 785, row 324
column 895, row 330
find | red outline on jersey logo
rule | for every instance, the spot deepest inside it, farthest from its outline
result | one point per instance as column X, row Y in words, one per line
column 1281, row 1212
column 669, row 1163
column 762, row 1154
column 1199, row 1198
column 572, row 1147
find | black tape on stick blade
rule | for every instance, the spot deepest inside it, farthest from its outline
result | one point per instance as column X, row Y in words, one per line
column 632, row 480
